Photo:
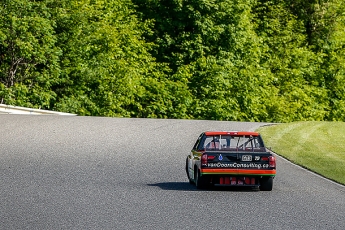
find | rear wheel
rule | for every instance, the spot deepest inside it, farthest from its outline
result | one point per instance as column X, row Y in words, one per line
column 187, row 171
column 199, row 180
column 266, row 184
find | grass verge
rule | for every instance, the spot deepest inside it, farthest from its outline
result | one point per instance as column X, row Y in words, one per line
column 316, row 145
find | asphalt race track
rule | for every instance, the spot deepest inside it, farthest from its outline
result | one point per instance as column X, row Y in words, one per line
column 70, row 172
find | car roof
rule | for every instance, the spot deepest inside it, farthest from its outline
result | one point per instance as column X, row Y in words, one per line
column 232, row 133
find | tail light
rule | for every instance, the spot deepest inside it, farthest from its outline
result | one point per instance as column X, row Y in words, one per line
column 206, row 157
column 272, row 161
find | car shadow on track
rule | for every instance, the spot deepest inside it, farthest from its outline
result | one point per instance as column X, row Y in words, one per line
column 186, row 186
column 177, row 186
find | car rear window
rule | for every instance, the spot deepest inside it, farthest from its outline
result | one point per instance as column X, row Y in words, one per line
column 224, row 142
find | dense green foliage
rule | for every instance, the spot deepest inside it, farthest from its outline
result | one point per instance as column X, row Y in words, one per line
column 248, row 60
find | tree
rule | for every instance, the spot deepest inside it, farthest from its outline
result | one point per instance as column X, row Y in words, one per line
column 28, row 55
column 300, row 93
column 107, row 67
column 212, row 46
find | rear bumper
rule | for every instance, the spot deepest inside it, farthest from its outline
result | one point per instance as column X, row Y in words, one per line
column 239, row 172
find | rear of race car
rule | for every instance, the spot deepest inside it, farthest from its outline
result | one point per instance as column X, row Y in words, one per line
column 231, row 158
column 253, row 169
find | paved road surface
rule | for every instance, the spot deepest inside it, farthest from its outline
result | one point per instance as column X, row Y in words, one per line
column 62, row 172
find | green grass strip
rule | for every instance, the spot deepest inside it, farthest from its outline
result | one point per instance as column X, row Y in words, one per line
column 316, row 145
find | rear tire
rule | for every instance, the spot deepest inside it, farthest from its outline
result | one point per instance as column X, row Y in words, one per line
column 266, row 184
column 187, row 171
column 199, row 180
